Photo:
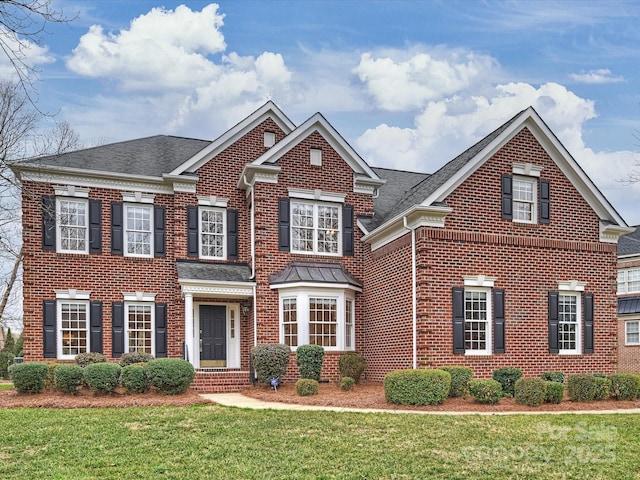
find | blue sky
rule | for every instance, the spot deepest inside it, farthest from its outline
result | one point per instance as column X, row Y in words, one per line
column 410, row 84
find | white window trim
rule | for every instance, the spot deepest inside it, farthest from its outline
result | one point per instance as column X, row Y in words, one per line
column 213, row 201
column 315, row 250
column 224, row 232
column 71, row 191
column 488, row 350
column 138, row 197
column 534, row 201
column 626, row 331
column 623, row 285
column 526, row 170
column 317, row 195
column 125, row 240
column 66, row 298
column 77, row 199
column 576, row 293
column 128, row 304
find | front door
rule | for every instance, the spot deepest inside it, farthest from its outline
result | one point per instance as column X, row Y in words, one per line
column 213, row 336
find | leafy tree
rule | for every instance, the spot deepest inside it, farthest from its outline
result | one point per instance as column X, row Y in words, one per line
column 9, row 342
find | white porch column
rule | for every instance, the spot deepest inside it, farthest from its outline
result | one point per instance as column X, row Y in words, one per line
column 190, row 351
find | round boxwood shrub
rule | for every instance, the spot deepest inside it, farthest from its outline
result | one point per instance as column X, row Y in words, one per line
column 417, row 387
column 28, row 377
column 624, row 386
column 134, row 378
column 485, row 391
column 530, row 391
column 135, row 357
column 270, row 360
column 581, row 388
column 309, row 361
column 102, row 378
column 87, row 358
column 352, row 365
column 555, row 392
column 347, row 383
column 557, row 377
column 171, row 376
column 507, row 377
column 307, row 387
column 603, row 388
column 460, row 376
column 68, row 377
column 50, row 381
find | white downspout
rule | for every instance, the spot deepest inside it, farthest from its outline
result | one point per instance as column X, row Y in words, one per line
column 253, row 236
column 414, row 293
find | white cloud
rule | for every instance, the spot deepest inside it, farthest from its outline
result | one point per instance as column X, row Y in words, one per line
column 24, row 52
column 601, row 75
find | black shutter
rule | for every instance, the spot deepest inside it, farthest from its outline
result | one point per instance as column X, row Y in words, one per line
column 159, row 236
column 553, row 322
column 49, row 347
column 232, row 234
column 284, row 233
column 458, row 320
column 545, row 200
column 48, row 222
column 588, row 323
column 347, row 230
column 192, row 231
column 498, row 321
column 95, row 336
column 95, row 226
column 117, row 329
column 161, row 330
column 117, row 229
column 507, row 197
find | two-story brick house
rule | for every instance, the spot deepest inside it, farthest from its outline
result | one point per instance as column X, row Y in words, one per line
column 506, row 256
column 629, row 302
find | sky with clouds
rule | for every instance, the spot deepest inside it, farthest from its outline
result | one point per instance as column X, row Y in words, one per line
column 409, row 84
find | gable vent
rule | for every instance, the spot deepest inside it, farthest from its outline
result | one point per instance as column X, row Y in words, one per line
column 316, row 157
column 269, row 139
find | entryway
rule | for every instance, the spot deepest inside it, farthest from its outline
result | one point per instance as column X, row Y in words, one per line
column 213, row 336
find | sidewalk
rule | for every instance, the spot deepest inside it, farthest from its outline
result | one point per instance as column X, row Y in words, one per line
column 241, row 401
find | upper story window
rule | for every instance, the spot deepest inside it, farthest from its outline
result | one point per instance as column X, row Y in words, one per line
column 315, row 228
column 212, row 232
column 525, row 196
column 524, row 199
column 632, row 332
column 72, row 227
column 212, row 229
column 138, row 227
column 629, row 280
column 138, row 230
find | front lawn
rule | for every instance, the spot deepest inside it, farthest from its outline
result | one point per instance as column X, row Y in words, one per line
column 209, row 441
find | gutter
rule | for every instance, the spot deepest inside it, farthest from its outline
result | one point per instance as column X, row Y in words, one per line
column 414, row 292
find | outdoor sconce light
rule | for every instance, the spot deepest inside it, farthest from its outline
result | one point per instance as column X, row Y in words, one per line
column 246, row 307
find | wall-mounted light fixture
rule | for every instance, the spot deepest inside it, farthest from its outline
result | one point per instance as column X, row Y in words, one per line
column 246, row 307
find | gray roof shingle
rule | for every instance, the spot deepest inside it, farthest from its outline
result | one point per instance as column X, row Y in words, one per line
column 216, row 272
column 630, row 244
column 314, row 272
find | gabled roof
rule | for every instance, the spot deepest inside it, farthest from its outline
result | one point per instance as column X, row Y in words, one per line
column 629, row 244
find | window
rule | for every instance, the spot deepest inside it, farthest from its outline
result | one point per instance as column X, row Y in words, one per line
column 74, row 327
column 212, row 230
column 290, row 322
column 568, row 323
column 524, row 199
column 629, row 280
column 323, row 321
column 139, row 328
column 477, row 329
column 138, row 230
column 72, row 224
column 632, row 332
column 349, row 326
column 315, row 228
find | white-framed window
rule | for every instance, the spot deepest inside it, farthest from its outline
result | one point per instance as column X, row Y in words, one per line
column 212, row 232
column 632, row 332
column 73, row 328
column 629, row 280
column 323, row 321
column 139, row 323
column 477, row 321
column 290, row 322
column 569, row 315
column 315, row 227
column 525, row 199
column 72, row 226
column 138, row 230
column 349, row 331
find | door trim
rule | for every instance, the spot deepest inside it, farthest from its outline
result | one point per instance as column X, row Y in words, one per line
column 233, row 334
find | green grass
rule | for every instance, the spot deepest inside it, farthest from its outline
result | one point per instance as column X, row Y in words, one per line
column 209, row 441
column 6, row 386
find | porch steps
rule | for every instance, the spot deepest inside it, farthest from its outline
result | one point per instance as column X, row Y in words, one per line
column 220, row 380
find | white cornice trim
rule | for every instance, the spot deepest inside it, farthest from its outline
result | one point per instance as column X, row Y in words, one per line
column 73, row 294
column 317, row 195
column 209, row 288
column 526, row 169
column 571, row 286
column 479, row 281
column 71, row 191
column 213, row 202
column 139, row 297
column 138, row 197
column 252, row 174
column 612, row 233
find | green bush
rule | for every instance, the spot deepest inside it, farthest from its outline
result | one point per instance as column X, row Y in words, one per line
column 624, row 386
column 557, row 377
column 507, row 377
column 603, row 388
column 530, row 391
column 581, row 388
column 309, row 361
column 102, row 378
column 460, row 377
column 19, row 345
column 171, row 376
column 50, row 382
column 134, row 378
column 347, row 383
column 9, row 342
column 6, row 359
column 352, row 365
column 555, row 392
column 485, row 391
column 87, row 358
column 28, row 377
column 307, row 387
column 135, row 357
column 68, row 377
column 417, row 387
column 270, row 360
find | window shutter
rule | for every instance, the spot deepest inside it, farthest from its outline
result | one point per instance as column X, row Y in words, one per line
column 458, row 320
column 553, row 322
column 95, row 226
column 545, row 200
column 284, row 233
column 159, row 236
column 117, row 329
column 232, row 234
column 498, row 321
column 49, row 347
column 95, row 330
column 347, row 230
column 117, row 229
column 588, row 323
column 192, row 231
column 507, row 197
column 161, row 330
column 48, row 222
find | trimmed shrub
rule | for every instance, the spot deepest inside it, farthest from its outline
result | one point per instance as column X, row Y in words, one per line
column 530, row 391
column 347, row 383
column 460, row 377
column 485, row 391
column 309, row 361
column 603, row 388
column 87, row 358
column 307, row 387
column 134, row 378
column 555, row 392
column 102, row 377
column 507, row 377
column 417, row 387
column 581, row 388
column 270, row 360
column 68, row 377
column 171, row 376
column 6, row 359
column 50, row 382
column 557, row 377
column 28, row 377
column 624, row 386
column 352, row 365
column 135, row 357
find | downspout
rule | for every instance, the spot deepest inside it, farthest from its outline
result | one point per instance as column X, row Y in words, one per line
column 414, row 293
column 253, row 235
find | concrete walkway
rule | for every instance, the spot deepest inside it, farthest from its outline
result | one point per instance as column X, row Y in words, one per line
column 241, row 401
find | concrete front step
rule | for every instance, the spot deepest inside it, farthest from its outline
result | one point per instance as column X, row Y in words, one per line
column 220, row 380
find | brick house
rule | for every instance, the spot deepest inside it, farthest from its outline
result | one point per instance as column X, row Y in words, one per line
column 629, row 302
column 277, row 233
